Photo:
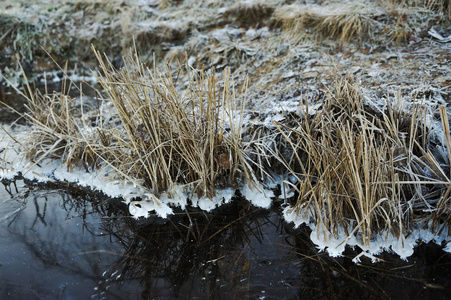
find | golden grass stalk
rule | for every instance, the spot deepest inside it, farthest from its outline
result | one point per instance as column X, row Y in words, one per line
column 348, row 24
column 358, row 170
column 164, row 136
column 56, row 126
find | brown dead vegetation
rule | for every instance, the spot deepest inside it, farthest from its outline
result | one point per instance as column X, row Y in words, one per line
column 343, row 23
column 167, row 137
column 247, row 13
column 365, row 171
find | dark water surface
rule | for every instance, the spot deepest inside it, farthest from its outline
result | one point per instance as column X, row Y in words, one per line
column 63, row 243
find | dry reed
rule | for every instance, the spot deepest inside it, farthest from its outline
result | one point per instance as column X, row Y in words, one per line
column 56, row 127
column 345, row 25
column 358, row 170
column 164, row 137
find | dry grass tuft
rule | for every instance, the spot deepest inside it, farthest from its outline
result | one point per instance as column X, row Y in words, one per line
column 358, row 169
column 162, row 136
column 157, row 132
column 56, row 131
column 440, row 6
column 400, row 33
column 248, row 13
column 295, row 20
column 343, row 24
column 345, row 27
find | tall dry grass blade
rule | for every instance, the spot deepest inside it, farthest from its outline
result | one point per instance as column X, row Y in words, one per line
column 357, row 170
column 167, row 136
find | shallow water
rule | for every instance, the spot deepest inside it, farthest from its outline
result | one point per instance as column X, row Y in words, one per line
column 62, row 243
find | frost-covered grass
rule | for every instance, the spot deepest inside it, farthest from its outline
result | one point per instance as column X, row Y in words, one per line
column 67, row 31
column 367, row 173
column 154, row 141
column 341, row 22
column 165, row 135
column 351, row 21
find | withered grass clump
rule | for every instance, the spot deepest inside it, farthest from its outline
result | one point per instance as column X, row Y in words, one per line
column 295, row 20
column 400, row 33
column 361, row 170
column 151, row 130
column 56, row 128
column 343, row 25
column 440, row 6
column 161, row 136
column 250, row 13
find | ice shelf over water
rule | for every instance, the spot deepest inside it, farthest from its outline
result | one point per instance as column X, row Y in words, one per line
column 335, row 244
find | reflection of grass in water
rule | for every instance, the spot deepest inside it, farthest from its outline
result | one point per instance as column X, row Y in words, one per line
column 192, row 245
column 195, row 245
column 59, row 233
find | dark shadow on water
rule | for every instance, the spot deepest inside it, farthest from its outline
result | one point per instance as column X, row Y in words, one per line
column 63, row 243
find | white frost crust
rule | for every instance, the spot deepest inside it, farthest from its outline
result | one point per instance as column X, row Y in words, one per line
column 258, row 196
column 335, row 244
